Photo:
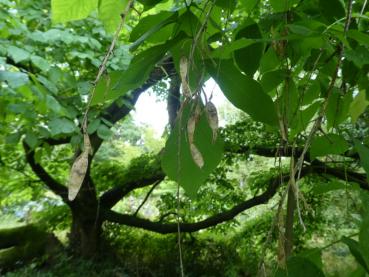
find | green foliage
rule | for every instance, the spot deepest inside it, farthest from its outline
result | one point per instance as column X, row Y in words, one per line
column 298, row 266
column 358, row 105
column 64, row 11
column 244, row 92
column 178, row 162
column 110, row 13
column 328, row 144
column 364, row 156
column 253, row 53
column 289, row 65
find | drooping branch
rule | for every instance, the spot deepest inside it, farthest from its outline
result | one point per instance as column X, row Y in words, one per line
column 163, row 228
column 44, row 176
column 146, row 197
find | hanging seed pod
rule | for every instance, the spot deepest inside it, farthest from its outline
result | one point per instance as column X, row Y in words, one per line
column 87, row 144
column 191, row 124
column 212, row 115
column 191, row 127
column 196, row 155
column 77, row 175
column 183, row 70
column 79, row 169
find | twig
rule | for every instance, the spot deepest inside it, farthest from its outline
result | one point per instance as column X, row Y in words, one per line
column 102, row 67
column 166, row 215
column 319, row 119
column 146, row 197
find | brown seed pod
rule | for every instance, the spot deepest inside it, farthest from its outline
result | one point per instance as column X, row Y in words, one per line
column 183, row 70
column 79, row 169
column 196, row 155
column 191, row 127
column 212, row 115
column 77, row 175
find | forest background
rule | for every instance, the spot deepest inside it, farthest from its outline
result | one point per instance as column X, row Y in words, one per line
column 271, row 182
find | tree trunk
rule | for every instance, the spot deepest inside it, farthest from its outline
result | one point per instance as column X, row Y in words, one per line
column 86, row 226
column 85, row 235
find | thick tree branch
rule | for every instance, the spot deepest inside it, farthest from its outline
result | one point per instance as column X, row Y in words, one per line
column 163, row 228
column 263, row 198
column 341, row 173
column 57, row 141
column 45, row 177
column 275, row 151
column 114, row 195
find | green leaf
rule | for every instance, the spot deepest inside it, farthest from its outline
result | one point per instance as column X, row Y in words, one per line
column 31, row 140
column 52, row 104
column 148, row 4
column 177, row 161
column 358, row 105
column 314, row 255
column 226, row 4
column 332, row 10
column 188, row 23
column 282, row 5
column 311, row 93
column 249, row 5
column 300, row 267
column 288, row 101
column 104, row 132
column 359, row 56
column 338, row 108
column 321, row 188
column 67, row 10
column 40, row 62
column 110, row 13
column 248, row 58
column 303, row 119
column 364, row 156
column 14, row 79
column 364, row 238
column 13, row 138
column 18, row 54
column 120, row 82
column 299, row 29
column 272, row 79
column 92, row 127
column 360, row 37
column 150, row 25
column 244, row 92
column 61, row 126
column 356, row 251
column 106, row 88
column 269, row 61
column 226, row 51
column 328, row 144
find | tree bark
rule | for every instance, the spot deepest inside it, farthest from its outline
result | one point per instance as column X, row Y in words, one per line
column 86, row 229
column 85, row 235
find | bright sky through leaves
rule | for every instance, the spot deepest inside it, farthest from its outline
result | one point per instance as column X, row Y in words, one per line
column 153, row 112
